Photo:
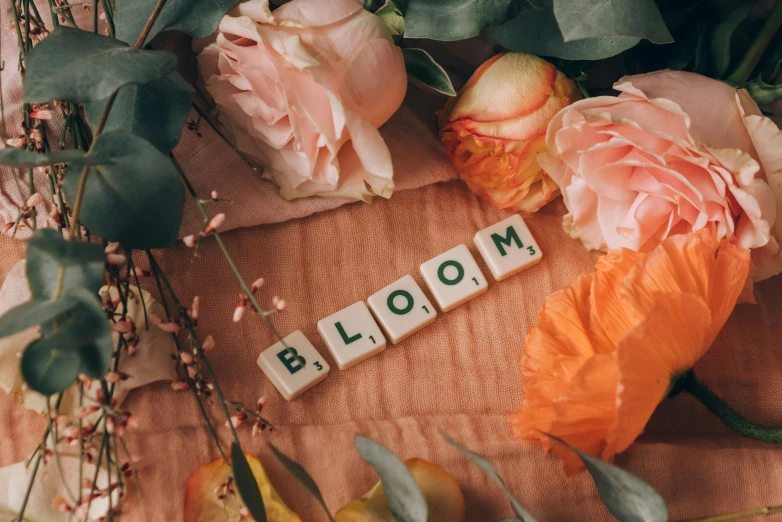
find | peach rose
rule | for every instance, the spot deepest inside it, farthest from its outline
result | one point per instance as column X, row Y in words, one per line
column 675, row 152
column 303, row 91
column 495, row 128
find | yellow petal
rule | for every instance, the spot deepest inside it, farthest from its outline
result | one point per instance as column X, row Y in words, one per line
column 441, row 491
column 203, row 505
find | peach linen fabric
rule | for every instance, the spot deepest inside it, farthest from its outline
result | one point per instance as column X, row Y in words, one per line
column 459, row 375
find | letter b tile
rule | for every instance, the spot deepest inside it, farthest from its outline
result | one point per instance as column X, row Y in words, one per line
column 295, row 369
column 352, row 335
column 454, row 278
column 402, row 309
column 508, row 247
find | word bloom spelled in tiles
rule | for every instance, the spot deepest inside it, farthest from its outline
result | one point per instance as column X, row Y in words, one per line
column 401, row 309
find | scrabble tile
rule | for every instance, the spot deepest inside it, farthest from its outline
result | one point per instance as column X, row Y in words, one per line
column 402, row 309
column 508, row 247
column 352, row 335
column 454, row 278
column 295, row 369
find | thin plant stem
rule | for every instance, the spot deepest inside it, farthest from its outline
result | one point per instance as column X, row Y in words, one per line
column 739, row 515
column 728, row 415
column 148, row 27
column 204, row 358
column 245, row 287
column 156, row 272
column 744, row 69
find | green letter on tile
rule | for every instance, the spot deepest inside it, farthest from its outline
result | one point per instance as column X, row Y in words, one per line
column 344, row 335
column 291, row 359
column 510, row 237
column 459, row 273
column 407, row 296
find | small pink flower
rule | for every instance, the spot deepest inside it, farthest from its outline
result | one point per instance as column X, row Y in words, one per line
column 180, row 385
column 215, row 223
column 189, row 241
column 208, row 345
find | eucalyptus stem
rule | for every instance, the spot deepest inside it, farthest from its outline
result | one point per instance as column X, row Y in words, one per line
column 727, row 414
column 744, row 69
column 739, row 514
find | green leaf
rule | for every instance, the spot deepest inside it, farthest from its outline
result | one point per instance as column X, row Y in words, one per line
column 48, row 370
column 246, row 484
column 32, row 313
column 138, row 200
column 722, row 35
column 405, row 499
column 198, row 18
column 421, row 66
column 456, row 19
column 81, row 66
column 489, row 469
column 578, row 20
column 764, row 93
column 392, row 13
column 48, row 251
column 89, row 333
column 627, row 497
column 296, row 469
column 535, row 31
column 155, row 111
column 20, row 158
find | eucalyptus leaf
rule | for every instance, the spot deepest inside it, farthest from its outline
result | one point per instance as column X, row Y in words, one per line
column 48, row 251
column 535, row 31
column 197, row 18
column 456, row 19
column 21, row 158
column 91, row 333
column 155, row 111
column 579, row 20
column 626, row 496
column 138, row 200
column 421, row 66
column 490, row 470
column 49, row 371
column 246, row 484
column 32, row 313
column 723, row 33
column 764, row 93
column 392, row 13
column 405, row 499
column 298, row 471
column 81, row 66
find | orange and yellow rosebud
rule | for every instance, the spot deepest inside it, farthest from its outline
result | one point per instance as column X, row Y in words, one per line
column 496, row 127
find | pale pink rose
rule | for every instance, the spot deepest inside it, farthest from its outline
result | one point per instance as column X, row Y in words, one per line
column 303, row 90
column 673, row 153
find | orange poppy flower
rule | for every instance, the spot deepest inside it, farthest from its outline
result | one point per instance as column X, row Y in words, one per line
column 607, row 348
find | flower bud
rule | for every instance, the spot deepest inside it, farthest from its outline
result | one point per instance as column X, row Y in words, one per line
column 215, row 223
column 189, row 241
column 495, row 129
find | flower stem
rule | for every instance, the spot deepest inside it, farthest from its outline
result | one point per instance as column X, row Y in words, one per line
column 739, row 514
column 728, row 415
column 741, row 73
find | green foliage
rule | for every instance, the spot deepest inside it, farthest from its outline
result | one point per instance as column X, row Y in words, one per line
column 392, row 13
column 579, row 20
column 535, row 31
column 155, row 111
column 456, row 19
column 246, row 484
column 298, row 471
column 80, row 66
column 722, row 35
column 20, row 158
column 47, row 252
column 76, row 339
column 197, row 18
column 627, row 497
column 764, row 93
column 405, row 499
column 488, row 468
column 138, row 200
column 421, row 66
